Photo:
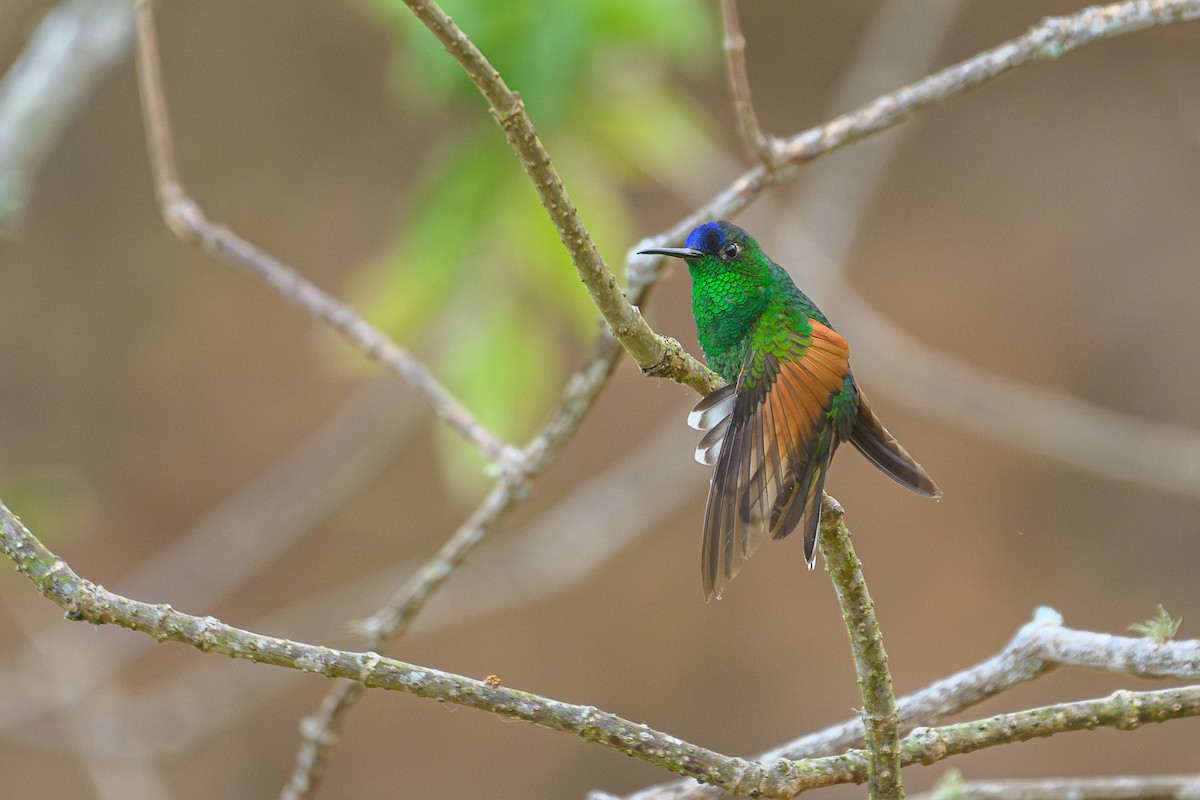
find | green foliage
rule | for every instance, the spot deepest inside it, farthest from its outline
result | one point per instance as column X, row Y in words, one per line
column 1162, row 627
column 546, row 50
column 472, row 244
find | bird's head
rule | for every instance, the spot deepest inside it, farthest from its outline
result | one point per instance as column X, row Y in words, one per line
column 717, row 247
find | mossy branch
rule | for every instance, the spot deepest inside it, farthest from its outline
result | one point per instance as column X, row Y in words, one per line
column 881, row 722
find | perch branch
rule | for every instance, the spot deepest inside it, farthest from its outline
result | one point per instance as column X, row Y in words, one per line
column 880, row 719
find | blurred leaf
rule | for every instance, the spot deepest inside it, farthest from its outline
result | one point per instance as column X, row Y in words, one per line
column 657, row 133
column 500, row 363
column 543, row 49
column 435, row 250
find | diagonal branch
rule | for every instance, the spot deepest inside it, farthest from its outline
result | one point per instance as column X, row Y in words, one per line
column 188, row 222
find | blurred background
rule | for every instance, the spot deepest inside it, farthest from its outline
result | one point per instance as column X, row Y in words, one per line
column 179, row 434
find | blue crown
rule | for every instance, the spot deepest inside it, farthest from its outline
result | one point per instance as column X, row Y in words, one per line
column 708, row 238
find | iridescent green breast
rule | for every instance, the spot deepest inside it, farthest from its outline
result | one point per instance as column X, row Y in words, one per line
column 728, row 306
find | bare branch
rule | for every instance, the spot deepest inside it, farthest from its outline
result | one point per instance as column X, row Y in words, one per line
column 188, row 222
column 880, row 720
column 88, row 602
column 1048, row 40
column 757, row 144
column 1122, row 710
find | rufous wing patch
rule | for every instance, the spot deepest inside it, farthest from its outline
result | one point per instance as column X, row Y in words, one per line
column 774, row 452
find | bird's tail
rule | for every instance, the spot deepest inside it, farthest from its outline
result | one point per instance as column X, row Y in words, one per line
column 882, row 450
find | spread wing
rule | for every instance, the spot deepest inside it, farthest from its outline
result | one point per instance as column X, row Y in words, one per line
column 770, row 440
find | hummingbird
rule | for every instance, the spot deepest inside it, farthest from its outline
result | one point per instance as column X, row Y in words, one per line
column 790, row 399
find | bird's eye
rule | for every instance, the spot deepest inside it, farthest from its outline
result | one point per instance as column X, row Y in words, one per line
column 731, row 251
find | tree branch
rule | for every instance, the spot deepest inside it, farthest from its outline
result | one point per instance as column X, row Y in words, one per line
column 757, row 144
column 880, row 720
column 1122, row 710
column 87, row 602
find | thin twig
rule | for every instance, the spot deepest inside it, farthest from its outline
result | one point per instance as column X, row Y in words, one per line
column 87, row 602
column 880, row 719
column 188, row 222
column 757, row 144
